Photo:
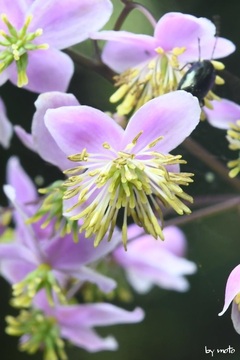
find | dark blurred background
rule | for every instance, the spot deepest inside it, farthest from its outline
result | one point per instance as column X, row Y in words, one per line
column 177, row 326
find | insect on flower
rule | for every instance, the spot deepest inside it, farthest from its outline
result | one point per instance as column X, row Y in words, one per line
column 201, row 76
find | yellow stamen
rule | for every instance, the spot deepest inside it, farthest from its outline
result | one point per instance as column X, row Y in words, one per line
column 138, row 186
column 17, row 43
column 217, row 65
column 155, row 77
column 219, row 80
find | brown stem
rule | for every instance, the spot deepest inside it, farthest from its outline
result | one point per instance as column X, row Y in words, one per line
column 129, row 6
column 207, row 211
column 96, row 65
column 207, row 158
column 201, row 202
column 227, row 204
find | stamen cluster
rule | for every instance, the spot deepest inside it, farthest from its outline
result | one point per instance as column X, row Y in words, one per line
column 41, row 332
column 148, row 80
column 17, row 44
column 140, row 183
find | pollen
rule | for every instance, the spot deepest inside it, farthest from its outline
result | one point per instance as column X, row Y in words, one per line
column 139, row 183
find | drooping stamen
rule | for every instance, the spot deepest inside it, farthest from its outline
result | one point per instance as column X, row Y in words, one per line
column 137, row 182
column 139, row 85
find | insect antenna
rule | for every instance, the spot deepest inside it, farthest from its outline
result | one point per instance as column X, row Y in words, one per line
column 199, row 50
column 216, row 21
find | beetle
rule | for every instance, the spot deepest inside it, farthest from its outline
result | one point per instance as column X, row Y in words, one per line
column 199, row 79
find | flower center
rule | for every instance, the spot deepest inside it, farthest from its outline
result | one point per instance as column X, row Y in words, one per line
column 41, row 278
column 139, row 183
column 147, row 81
column 51, row 211
column 17, row 43
column 40, row 333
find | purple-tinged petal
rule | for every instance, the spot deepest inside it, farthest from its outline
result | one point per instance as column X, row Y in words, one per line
column 14, row 252
column 104, row 283
column 25, row 234
column 158, row 118
column 175, row 240
column 75, row 321
column 134, row 231
column 125, row 50
column 69, row 22
column 101, row 314
column 224, row 47
column 23, row 195
column 6, row 129
column 25, row 138
column 22, row 192
column 88, row 339
column 16, row 261
column 232, row 288
column 212, row 48
column 15, row 12
column 223, row 113
column 15, row 271
column 178, row 30
column 150, row 262
column 21, row 182
column 142, row 282
column 66, row 255
column 3, row 77
column 45, row 145
column 170, row 282
column 148, row 256
column 79, row 127
column 47, row 70
column 235, row 315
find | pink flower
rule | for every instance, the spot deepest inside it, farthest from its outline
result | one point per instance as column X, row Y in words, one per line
column 153, row 65
column 38, row 30
column 149, row 262
column 226, row 115
column 40, row 140
column 35, row 253
column 124, row 169
column 43, row 326
column 232, row 294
